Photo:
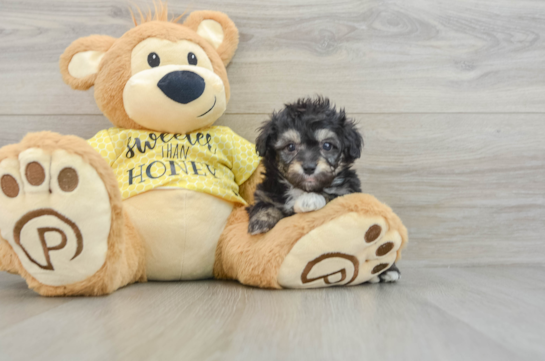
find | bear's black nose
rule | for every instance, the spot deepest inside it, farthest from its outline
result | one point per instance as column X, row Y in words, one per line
column 182, row 86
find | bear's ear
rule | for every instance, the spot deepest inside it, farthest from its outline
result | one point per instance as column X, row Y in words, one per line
column 79, row 62
column 217, row 29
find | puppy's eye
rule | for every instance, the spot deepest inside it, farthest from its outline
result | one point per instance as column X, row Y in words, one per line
column 290, row 147
column 153, row 60
column 192, row 59
column 327, row 146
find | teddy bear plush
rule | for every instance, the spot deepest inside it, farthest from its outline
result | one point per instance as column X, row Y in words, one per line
column 162, row 194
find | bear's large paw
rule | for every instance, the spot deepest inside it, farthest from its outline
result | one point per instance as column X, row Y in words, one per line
column 55, row 213
column 346, row 251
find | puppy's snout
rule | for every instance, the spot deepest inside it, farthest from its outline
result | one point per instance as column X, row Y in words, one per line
column 309, row 168
column 182, row 86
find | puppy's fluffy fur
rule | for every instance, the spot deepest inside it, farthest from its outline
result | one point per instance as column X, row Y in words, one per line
column 308, row 149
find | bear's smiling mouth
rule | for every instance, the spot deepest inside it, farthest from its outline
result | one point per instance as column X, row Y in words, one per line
column 208, row 111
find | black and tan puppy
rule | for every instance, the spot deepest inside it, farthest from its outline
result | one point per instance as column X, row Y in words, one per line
column 308, row 149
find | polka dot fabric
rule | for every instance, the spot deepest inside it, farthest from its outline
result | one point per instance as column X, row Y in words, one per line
column 214, row 160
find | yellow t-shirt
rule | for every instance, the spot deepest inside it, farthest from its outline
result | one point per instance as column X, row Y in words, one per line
column 214, row 160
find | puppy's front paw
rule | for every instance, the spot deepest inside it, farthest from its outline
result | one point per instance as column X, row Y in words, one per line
column 258, row 226
column 263, row 217
column 309, row 202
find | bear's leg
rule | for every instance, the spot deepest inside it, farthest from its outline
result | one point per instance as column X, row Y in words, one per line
column 7, row 258
column 61, row 219
column 352, row 240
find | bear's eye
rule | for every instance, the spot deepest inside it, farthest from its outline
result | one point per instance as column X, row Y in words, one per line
column 192, row 59
column 153, row 60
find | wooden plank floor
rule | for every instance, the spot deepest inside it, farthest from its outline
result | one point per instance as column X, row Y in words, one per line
column 477, row 313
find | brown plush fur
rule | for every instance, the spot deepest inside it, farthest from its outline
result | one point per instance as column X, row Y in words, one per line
column 110, row 80
column 256, row 260
column 8, row 261
column 125, row 258
column 93, row 42
column 230, row 41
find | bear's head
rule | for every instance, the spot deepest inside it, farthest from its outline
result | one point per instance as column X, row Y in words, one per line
column 160, row 75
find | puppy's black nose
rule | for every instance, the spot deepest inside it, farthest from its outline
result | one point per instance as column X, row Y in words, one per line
column 182, row 86
column 309, row 168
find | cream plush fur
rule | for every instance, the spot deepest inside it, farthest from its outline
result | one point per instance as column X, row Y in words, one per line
column 172, row 234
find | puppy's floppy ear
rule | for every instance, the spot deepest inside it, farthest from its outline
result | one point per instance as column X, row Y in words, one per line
column 352, row 140
column 263, row 141
column 217, row 29
column 80, row 61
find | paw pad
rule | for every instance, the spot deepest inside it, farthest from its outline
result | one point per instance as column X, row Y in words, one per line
column 35, row 173
column 379, row 267
column 384, row 249
column 68, row 179
column 372, row 233
column 9, row 186
column 55, row 213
